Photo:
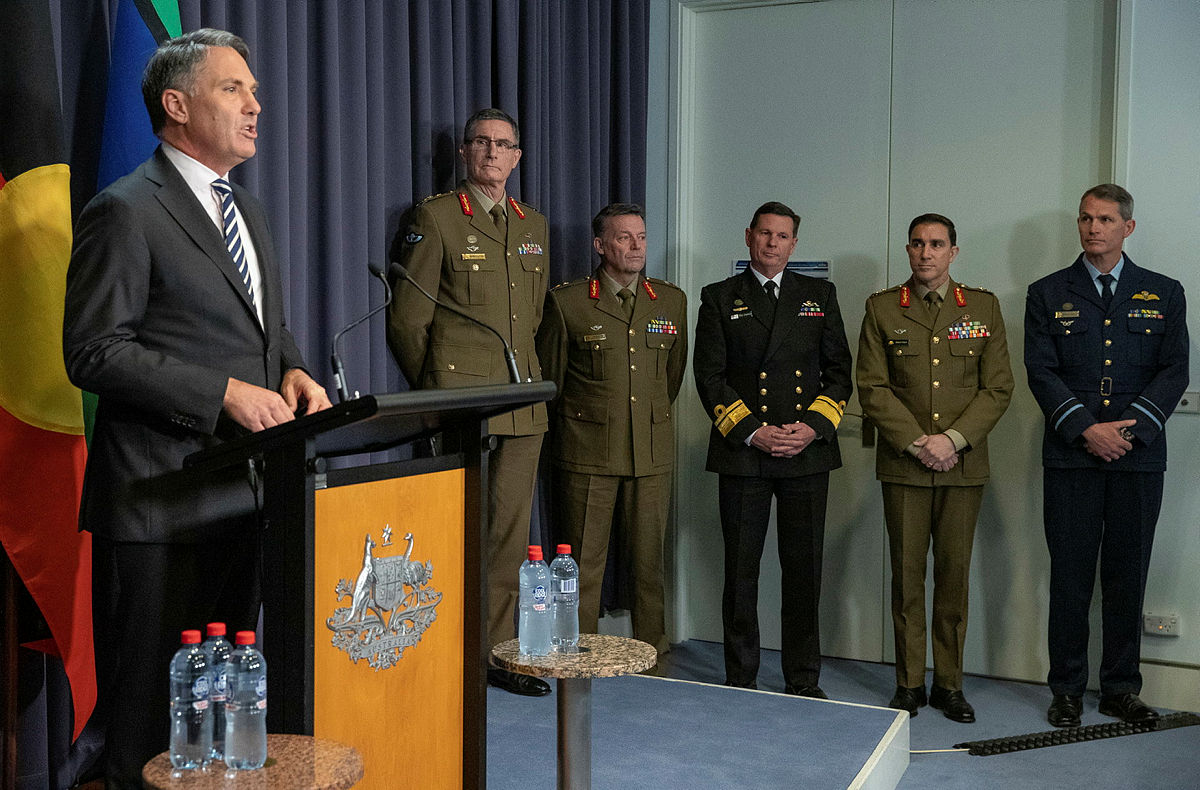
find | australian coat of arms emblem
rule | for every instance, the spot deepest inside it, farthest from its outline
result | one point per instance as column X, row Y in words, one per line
column 391, row 605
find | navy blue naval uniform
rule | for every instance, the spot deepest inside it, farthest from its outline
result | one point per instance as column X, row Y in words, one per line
column 1088, row 364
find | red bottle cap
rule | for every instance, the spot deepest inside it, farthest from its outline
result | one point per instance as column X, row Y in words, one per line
column 245, row 637
column 535, row 553
column 190, row 637
column 564, row 548
column 216, row 629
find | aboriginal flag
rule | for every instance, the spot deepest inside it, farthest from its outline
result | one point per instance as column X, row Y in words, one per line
column 42, row 447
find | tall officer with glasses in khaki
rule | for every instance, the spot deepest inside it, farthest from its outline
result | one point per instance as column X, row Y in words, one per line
column 483, row 252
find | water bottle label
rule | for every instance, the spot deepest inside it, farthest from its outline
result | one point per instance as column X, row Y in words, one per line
column 539, row 607
column 220, row 686
column 567, row 585
column 539, row 595
column 200, row 704
column 261, row 704
column 200, row 687
column 260, row 688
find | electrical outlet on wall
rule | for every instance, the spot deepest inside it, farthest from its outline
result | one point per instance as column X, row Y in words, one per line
column 1161, row 624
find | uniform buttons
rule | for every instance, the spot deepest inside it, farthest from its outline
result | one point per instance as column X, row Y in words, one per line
column 1066, row 331
column 937, row 339
column 899, row 352
column 633, row 367
column 632, row 350
column 450, row 366
column 1108, row 322
column 1147, row 331
column 1106, row 401
column 762, row 408
column 799, row 407
column 936, row 416
column 1108, row 342
column 633, row 398
column 970, row 352
column 799, row 374
column 537, row 268
column 799, row 390
column 632, row 332
column 474, row 267
column 762, row 391
column 662, row 345
column 514, row 316
column 764, row 425
column 1107, row 362
column 762, row 375
column 937, row 385
column 512, row 285
column 936, row 362
column 596, row 347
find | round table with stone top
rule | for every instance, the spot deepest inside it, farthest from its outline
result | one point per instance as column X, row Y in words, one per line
column 294, row 762
column 599, row 656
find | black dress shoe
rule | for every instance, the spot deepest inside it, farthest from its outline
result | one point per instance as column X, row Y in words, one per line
column 908, row 699
column 1064, row 710
column 516, row 683
column 752, row 686
column 1127, row 707
column 812, row 692
column 952, row 703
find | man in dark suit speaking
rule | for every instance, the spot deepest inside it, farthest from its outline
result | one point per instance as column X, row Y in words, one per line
column 772, row 368
column 174, row 318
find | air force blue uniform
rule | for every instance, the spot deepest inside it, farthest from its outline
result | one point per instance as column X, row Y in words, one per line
column 1089, row 364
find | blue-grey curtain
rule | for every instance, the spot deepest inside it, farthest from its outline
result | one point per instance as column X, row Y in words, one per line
column 363, row 107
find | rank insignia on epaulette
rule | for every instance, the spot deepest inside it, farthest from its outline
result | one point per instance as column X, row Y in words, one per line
column 905, row 296
column 960, row 296
column 412, row 238
column 593, row 289
column 1146, row 296
column 649, row 290
column 465, row 201
column 516, row 208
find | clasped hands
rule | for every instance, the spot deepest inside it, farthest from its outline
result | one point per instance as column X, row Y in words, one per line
column 783, row 441
column 1109, row 441
column 937, row 452
column 256, row 408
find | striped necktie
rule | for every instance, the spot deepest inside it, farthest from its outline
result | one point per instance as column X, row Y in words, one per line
column 233, row 238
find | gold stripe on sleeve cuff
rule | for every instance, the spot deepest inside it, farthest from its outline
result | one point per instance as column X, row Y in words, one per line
column 829, row 409
column 729, row 416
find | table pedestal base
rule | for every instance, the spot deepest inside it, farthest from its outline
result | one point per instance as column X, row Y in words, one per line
column 574, row 733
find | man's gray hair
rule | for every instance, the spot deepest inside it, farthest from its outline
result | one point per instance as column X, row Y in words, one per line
column 490, row 114
column 1115, row 194
column 174, row 65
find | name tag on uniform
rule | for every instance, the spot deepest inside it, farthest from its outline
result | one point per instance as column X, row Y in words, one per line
column 590, row 338
column 1066, row 313
column 474, row 256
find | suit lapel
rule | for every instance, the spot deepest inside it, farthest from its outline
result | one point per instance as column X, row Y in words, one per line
column 178, row 199
column 1080, row 284
column 753, row 295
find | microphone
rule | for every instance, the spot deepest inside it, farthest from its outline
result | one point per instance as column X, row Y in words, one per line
column 339, row 373
column 510, row 356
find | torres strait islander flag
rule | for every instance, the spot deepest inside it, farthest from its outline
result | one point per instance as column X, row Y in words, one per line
column 42, row 447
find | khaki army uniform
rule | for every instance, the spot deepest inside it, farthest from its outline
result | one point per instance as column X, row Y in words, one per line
column 450, row 244
column 921, row 375
column 614, row 438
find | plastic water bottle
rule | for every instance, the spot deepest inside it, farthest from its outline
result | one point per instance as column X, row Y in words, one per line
column 533, row 631
column 246, row 706
column 217, row 649
column 564, row 601
column 191, row 707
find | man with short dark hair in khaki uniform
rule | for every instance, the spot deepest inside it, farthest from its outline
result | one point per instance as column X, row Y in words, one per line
column 488, row 255
column 615, row 343
column 934, row 376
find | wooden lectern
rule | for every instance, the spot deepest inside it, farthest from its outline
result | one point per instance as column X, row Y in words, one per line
column 374, row 591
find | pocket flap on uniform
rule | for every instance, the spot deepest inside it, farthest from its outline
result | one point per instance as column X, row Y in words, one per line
column 584, row 407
